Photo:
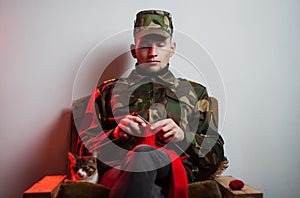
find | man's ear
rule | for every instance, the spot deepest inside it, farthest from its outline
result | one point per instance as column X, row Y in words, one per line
column 132, row 50
column 173, row 48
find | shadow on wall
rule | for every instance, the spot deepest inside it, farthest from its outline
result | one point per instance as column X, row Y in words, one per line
column 49, row 155
column 120, row 66
column 48, row 152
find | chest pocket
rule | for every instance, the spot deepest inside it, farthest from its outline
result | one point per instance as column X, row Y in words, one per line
column 173, row 107
column 180, row 107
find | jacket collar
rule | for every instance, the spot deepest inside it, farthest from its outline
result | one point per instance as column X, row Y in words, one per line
column 164, row 76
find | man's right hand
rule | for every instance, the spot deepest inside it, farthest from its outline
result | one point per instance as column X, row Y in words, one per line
column 129, row 125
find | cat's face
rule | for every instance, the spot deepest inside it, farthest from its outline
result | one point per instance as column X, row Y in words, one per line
column 82, row 168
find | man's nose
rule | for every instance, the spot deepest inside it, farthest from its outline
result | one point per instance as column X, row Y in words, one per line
column 152, row 51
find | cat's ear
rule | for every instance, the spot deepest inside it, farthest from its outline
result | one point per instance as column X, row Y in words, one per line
column 94, row 157
column 95, row 154
column 71, row 157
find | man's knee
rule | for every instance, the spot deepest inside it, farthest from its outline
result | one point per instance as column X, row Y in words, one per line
column 145, row 158
column 143, row 148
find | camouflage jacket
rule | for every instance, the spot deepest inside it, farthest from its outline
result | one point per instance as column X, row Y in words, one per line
column 155, row 97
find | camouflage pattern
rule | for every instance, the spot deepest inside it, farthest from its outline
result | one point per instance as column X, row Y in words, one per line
column 153, row 22
column 186, row 102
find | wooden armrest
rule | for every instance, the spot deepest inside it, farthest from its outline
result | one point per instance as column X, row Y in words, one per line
column 47, row 187
column 227, row 192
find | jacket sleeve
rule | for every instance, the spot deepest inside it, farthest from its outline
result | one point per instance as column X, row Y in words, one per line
column 89, row 126
column 207, row 148
column 97, row 124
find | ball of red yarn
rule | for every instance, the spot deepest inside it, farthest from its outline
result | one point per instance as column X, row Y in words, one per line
column 236, row 184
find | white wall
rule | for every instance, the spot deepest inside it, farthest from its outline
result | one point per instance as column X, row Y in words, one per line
column 255, row 45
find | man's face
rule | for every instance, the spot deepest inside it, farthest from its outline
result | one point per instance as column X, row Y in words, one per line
column 153, row 52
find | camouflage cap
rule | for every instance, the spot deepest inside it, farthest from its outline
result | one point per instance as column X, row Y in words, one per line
column 153, row 22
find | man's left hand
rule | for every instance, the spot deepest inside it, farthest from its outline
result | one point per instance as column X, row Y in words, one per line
column 167, row 130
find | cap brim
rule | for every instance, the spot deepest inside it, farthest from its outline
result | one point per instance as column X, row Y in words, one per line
column 149, row 31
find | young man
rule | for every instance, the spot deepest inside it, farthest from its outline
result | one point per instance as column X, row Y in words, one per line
column 153, row 133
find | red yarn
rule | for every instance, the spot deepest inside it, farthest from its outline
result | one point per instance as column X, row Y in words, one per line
column 236, row 184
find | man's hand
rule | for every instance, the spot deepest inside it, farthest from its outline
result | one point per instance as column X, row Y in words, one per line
column 167, row 130
column 129, row 125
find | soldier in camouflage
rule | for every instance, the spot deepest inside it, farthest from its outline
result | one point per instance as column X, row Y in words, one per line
column 177, row 111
